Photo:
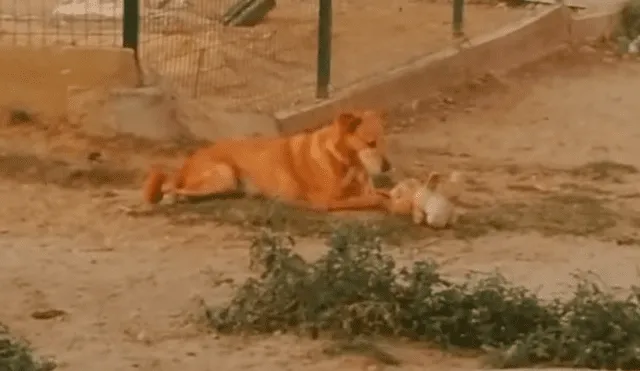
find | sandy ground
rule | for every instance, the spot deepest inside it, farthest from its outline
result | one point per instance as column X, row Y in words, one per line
column 131, row 286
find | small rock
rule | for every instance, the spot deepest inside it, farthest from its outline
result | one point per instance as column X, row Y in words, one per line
column 634, row 46
column 475, row 83
column 448, row 100
column 94, row 156
column 416, row 104
column 108, row 194
column 587, row 49
column 142, row 337
column 48, row 314
column 18, row 116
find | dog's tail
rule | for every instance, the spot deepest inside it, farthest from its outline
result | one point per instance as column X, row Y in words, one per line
column 152, row 190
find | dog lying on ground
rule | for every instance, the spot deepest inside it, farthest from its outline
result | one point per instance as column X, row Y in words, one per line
column 426, row 202
column 328, row 169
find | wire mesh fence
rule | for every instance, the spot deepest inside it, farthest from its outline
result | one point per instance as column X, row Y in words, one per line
column 262, row 56
column 65, row 22
column 252, row 53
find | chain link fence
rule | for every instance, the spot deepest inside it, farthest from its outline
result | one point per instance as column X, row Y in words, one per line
column 67, row 22
column 256, row 55
column 249, row 54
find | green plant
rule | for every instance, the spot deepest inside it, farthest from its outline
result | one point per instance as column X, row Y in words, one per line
column 357, row 290
column 16, row 356
column 630, row 19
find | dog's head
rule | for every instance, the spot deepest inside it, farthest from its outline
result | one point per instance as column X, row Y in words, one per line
column 361, row 134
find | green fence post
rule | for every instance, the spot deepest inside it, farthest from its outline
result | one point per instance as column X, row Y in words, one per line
column 131, row 25
column 458, row 19
column 324, row 49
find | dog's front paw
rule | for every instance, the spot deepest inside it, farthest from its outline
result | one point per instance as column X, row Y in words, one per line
column 381, row 201
column 319, row 207
column 383, row 192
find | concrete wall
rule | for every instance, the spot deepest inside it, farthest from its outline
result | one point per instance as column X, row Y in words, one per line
column 38, row 78
column 592, row 27
column 508, row 48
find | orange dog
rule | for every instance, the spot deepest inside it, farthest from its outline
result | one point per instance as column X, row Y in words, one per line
column 327, row 169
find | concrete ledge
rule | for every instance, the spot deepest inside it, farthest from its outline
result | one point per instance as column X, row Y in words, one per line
column 143, row 112
column 591, row 27
column 508, row 48
column 38, row 78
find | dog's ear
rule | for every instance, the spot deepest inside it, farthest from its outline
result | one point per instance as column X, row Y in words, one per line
column 348, row 122
column 455, row 185
column 383, row 115
column 433, row 181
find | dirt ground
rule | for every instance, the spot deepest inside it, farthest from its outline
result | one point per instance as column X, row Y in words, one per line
column 552, row 155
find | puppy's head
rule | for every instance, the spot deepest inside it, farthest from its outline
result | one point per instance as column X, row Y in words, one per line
column 450, row 188
column 405, row 188
column 362, row 134
column 401, row 196
column 433, row 181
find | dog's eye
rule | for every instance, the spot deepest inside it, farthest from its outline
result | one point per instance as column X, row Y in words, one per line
column 372, row 144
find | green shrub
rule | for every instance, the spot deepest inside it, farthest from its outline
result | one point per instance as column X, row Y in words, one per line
column 355, row 289
column 630, row 19
column 16, row 356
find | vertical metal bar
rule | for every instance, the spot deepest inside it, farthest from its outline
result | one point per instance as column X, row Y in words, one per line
column 29, row 18
column 43, row 16
column 196, row 85
column 131, row 25
column 15, row 20
column 458, row 18
column 131, row 32
column 87, row 11
column 323, row 77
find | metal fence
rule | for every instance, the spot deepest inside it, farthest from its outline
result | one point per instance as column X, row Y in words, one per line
column 275, row 62
column 210, row 48
column 53, row 22
column 250, row 54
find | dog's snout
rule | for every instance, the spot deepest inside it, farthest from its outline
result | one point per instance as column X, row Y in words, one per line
column 386, row 165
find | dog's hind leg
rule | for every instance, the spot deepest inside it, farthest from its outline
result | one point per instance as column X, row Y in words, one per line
column 216, row 180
